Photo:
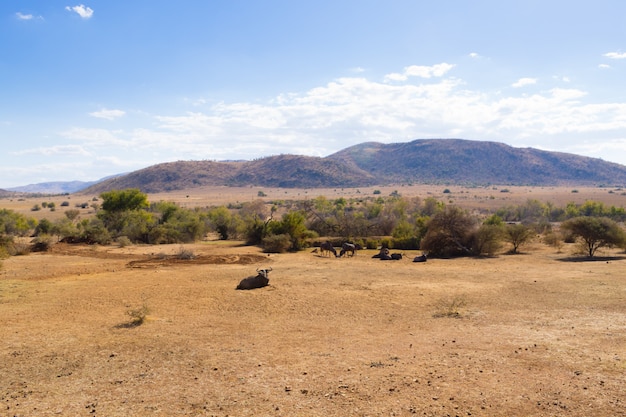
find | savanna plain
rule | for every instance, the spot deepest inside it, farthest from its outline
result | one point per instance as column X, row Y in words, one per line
column 142, row 331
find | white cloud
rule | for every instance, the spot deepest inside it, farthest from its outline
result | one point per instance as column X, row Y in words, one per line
column 522, row 82
column 82, row 10
column 604, row 66
column 438, row 70
column 474, row 55
column 616, row 55
column 54, row 151
column 21, row 16
column 341, row 113
column 108, row 114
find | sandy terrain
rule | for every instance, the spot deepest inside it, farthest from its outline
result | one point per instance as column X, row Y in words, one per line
column 535, row 334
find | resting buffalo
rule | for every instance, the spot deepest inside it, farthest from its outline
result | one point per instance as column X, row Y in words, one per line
column 257, row 281
column 383, row 254
column 421, row 258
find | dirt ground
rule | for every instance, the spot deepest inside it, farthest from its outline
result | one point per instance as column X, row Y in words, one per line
column 536, row 334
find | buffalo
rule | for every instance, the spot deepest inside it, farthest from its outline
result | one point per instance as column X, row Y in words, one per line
column 347, row 248
column 327, row 247
column 257, row 281
column 421, row 258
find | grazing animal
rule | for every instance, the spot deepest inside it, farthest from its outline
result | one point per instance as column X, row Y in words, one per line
column 421, row 258
column 327, row 248
column 347, row 248
column 258, row 281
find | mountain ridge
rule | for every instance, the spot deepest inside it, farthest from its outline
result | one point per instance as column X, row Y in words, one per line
column 450, row 161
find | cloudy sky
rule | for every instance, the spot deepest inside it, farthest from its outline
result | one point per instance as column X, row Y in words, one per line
column 109, row 86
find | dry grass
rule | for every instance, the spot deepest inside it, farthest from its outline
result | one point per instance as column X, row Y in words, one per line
column 470, row 197
column 527, row 335
column 535, row 335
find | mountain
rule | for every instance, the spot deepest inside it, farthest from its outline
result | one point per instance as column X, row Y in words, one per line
column 57, row 187
column 474, row 162
column 454, row 161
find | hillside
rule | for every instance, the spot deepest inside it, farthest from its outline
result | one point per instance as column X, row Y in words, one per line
column 472, row 162
column 453, row 161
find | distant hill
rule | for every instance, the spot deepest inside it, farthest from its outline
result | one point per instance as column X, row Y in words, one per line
column 453, row 161
column 56, row 187
column 474, row 162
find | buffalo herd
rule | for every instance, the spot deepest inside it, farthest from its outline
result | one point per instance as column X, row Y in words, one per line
column 261, row 279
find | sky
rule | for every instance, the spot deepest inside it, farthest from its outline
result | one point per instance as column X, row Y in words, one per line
column 97, row 88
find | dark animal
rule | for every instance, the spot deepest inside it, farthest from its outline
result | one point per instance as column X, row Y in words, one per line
column 421, row 258
column 327, row 248
column 396, row 256
column 383, row 254
column 347, row 248
column 258, row 281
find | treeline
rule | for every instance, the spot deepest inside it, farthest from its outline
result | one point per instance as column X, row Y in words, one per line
column 126, row 217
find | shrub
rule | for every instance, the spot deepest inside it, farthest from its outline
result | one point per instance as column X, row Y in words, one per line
column 450, row 308
column 123, row 241
column 138, row 315
column 277, row 243
column 42, row 243
column 371, row 244
column 185, row 254
column 406, row 243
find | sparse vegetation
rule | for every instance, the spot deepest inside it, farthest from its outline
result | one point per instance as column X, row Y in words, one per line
column 450, row 307
column 138, row 315
column 595, row 233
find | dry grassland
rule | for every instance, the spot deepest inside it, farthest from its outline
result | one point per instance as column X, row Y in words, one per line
column 528, row 335
column 479, row 198
column 536, row 334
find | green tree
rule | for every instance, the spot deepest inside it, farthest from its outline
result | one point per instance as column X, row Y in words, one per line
column 123, row 200
column 449, row 233
column 595, row 232
column 517, row 235
column 293, row 224
column 221, row 221
column 487, row 239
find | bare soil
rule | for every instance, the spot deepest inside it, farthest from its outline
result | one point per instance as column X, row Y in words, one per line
column 536, row 334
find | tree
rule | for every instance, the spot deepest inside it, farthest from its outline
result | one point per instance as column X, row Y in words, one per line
column 487, row 240
column 123, row 200
column 221, row 220
column 517, row 235
column 449, row 233
column 293, row 224
column 595, row 232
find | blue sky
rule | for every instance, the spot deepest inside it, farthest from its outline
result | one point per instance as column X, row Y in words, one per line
column 95, row 88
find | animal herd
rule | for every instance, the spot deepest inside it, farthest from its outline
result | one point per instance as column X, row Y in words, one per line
column 261, row 279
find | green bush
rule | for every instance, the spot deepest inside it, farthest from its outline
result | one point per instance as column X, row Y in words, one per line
column 277, row 243
column 406, row 243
